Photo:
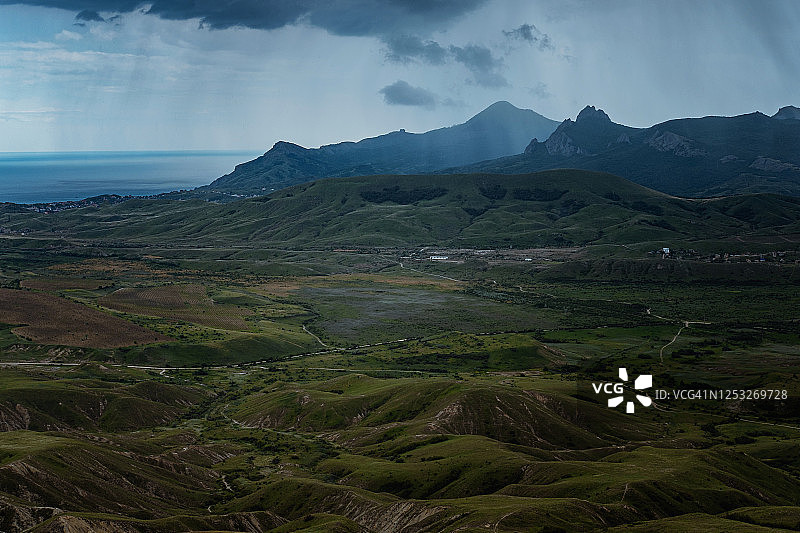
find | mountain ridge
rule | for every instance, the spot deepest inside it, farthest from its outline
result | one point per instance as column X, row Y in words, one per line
column 563, row 207
column 694, row 157
column 788, row 112
column 500, row 129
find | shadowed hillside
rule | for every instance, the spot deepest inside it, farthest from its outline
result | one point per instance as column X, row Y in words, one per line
column 499, row 130
column 561, row 207
column 710, row 156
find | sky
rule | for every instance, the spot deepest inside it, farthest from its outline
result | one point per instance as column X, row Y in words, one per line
column 243, row 74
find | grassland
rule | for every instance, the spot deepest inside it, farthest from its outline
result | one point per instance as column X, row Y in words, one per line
column 301, row 383
column 551, row 208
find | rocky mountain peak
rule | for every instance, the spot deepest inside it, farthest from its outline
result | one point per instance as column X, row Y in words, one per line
column 502, row 113
column 589, row 113
column 287, row 147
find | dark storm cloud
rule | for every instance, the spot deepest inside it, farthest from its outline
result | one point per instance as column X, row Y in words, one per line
column 340, row 17
column 401, row 93
column 89, row 16
column 475, row 57
column 121, row 6
column 387, row 17
column 479, row 60
column 482, row 63
column 406, row 48
column 257, row 14
column 532, row 35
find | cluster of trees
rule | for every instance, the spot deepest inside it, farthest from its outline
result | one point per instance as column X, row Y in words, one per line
column 404, row 197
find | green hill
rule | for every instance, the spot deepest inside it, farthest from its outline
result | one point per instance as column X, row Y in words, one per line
column 550, row 208
column 48, row 404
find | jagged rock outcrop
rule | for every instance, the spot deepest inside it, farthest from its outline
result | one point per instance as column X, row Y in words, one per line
column 14, row 417
column 667, row 141
column 709, row 156
column 19, row 517
column 592, row 132
column 256, row 522
column 772, row 165
column 591, row 114
column 560, row 143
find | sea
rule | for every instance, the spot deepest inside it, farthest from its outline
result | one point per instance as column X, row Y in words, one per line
column 41, row 177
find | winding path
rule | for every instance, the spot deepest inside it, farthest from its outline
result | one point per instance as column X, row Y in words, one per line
column 427, row 273
column 318, row 339
column 685, row 325
column 661, row 352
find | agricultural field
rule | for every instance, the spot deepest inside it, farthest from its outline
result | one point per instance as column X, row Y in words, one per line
column 185, row 302
column 60, row 284
column 49, row 319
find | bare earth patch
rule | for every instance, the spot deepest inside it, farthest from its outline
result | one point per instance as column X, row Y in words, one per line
column 112, row 267
column 58, row 284
column 52, row 320
column 399, row 279
column 280, row 288
column 185, row 302
column 285, row 287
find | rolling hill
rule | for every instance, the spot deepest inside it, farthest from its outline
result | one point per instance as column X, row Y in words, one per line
column 550, row 208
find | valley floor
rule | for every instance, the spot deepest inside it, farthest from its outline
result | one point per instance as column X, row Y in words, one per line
column 166, row 389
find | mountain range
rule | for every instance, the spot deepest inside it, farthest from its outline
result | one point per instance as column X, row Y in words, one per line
column 691, row 157
column 694, row 157
column 499, row 130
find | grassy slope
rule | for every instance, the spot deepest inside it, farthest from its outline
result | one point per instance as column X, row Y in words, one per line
column 48, row 404
column 422, row 452
column 478, row 210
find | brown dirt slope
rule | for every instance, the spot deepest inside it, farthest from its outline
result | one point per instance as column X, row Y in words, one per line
column 185, row 302
column 57, row 284
column 52, row 320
